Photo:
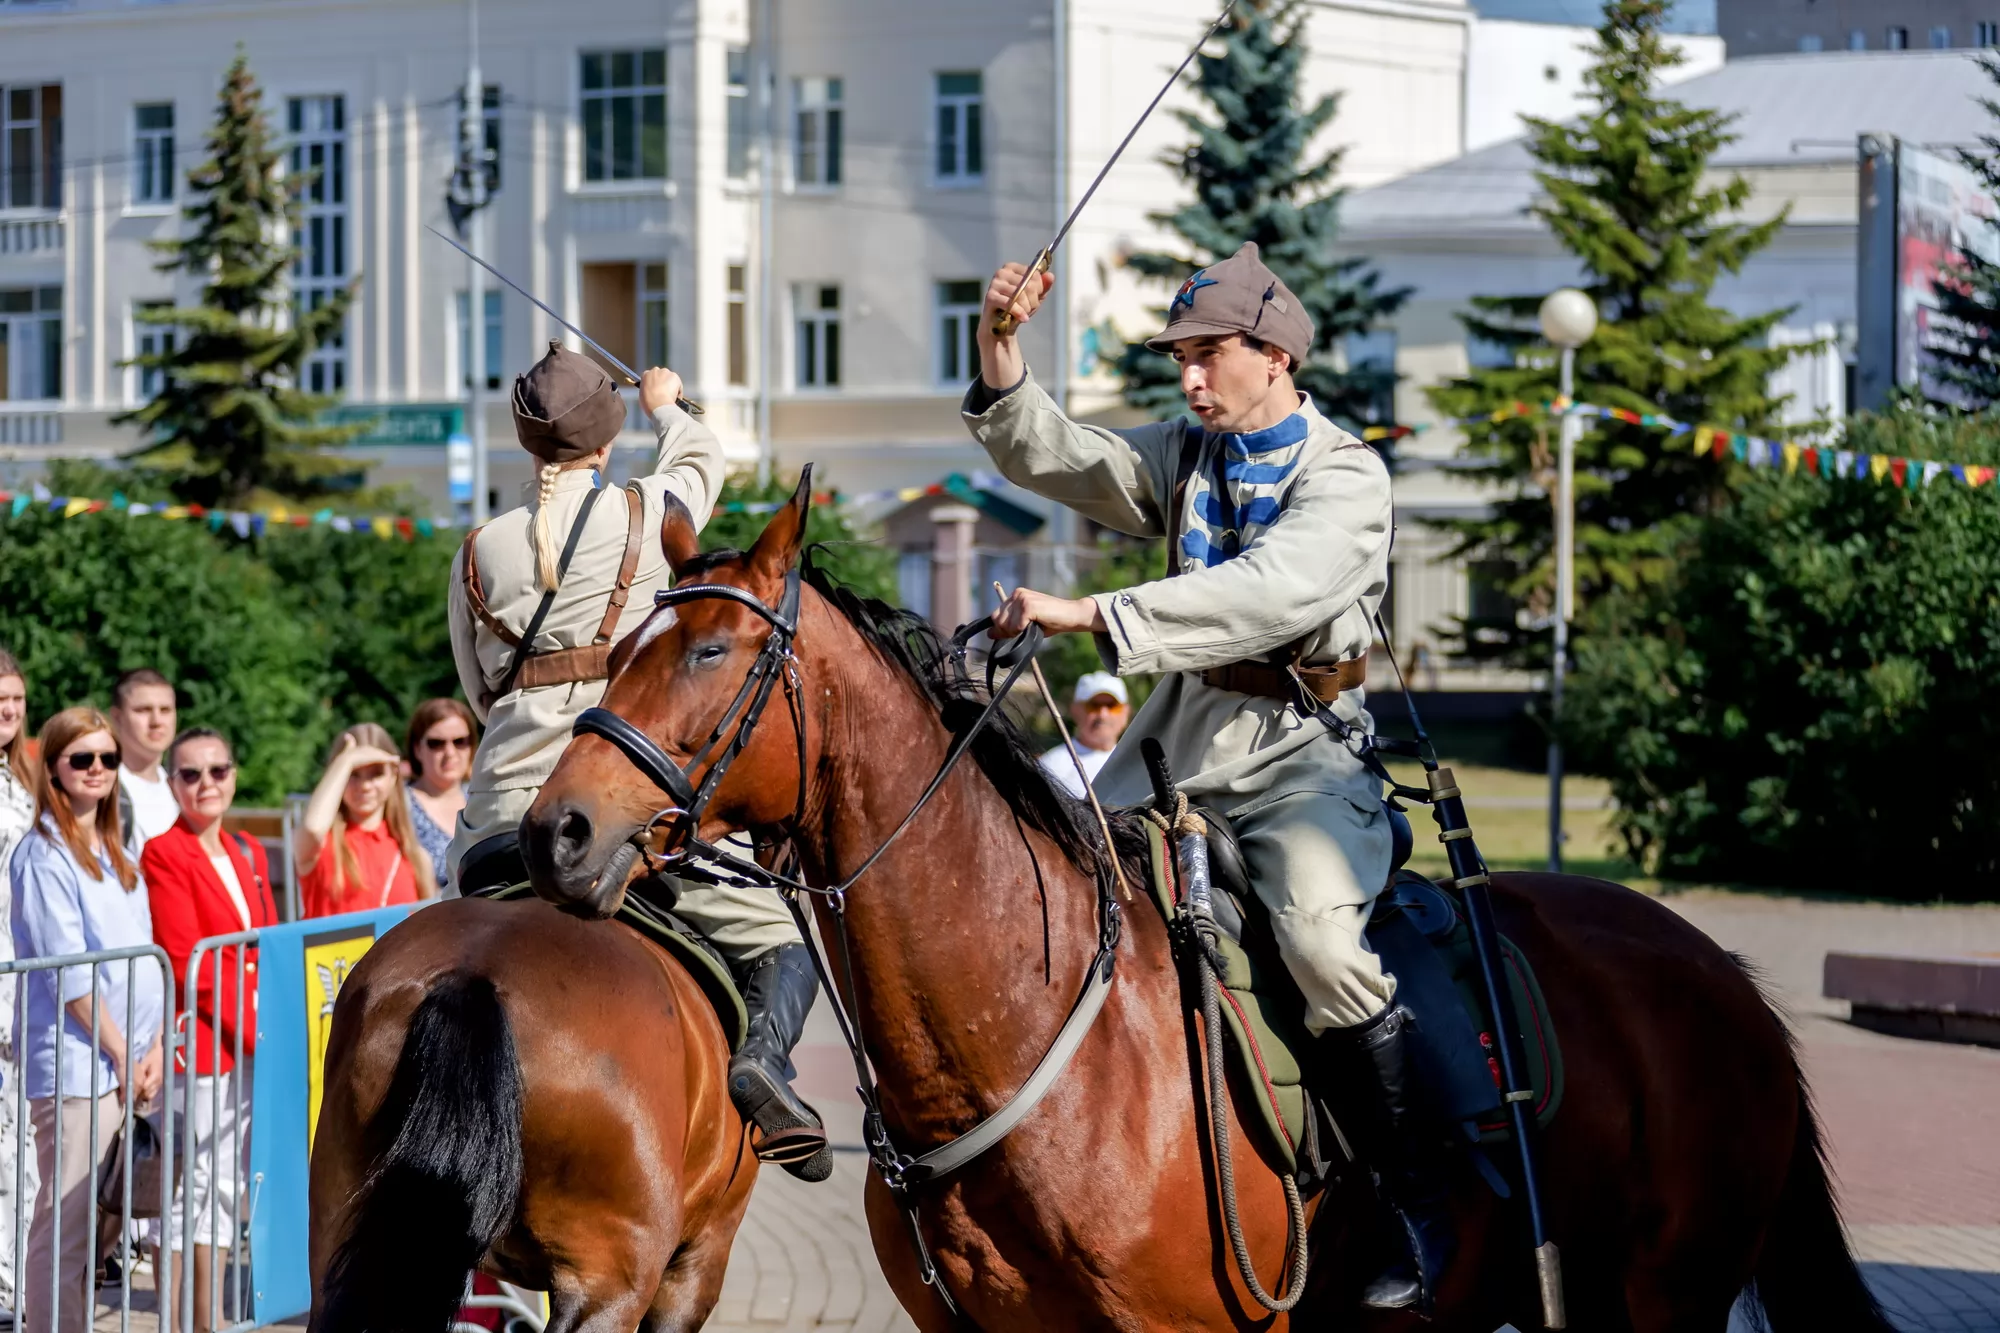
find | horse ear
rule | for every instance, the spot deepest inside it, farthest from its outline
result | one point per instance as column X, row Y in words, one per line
column 678, row 539
column 777, row 548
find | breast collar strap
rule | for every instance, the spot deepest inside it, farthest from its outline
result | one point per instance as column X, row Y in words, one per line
column 690, row 857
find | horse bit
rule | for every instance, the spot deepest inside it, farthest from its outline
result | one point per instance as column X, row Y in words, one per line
column 688, row 856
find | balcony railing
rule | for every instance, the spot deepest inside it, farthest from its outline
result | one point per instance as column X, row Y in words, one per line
column 31, row 235
column 25, row 424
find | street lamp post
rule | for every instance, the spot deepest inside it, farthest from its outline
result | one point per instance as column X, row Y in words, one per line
column 1568, row 317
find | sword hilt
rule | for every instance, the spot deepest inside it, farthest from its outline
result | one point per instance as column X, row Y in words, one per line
column 684, row 403
column 1006, row 322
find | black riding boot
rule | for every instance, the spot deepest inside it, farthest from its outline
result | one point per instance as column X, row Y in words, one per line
column 778, row 990
column 1408, row 1168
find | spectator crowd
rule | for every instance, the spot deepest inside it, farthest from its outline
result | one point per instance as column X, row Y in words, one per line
column 118, row 831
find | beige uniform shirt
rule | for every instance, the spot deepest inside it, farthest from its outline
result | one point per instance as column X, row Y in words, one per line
column 1318, row 571
column 527, row 730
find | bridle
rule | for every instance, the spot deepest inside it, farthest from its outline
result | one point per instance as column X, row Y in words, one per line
column 687, row 856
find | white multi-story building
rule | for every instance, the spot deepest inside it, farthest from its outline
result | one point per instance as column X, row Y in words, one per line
column 915, row 145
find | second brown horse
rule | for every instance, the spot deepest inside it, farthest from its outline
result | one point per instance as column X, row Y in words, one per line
column 1684, row 1169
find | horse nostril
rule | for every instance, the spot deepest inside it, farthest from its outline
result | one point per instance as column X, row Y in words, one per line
column 573, row 837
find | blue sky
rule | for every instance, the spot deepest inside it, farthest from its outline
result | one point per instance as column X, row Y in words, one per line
column 1687, row 15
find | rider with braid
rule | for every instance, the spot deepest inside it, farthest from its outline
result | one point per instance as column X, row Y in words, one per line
column 572, row 572
column 1278, row 524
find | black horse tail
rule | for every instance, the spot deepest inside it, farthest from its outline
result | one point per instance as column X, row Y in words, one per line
column 1806, row 1279
column 446, row 1173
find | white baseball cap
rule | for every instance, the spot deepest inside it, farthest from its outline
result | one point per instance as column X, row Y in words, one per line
column 1095, row 683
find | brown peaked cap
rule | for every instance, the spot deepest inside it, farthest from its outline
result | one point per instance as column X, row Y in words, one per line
column 1238, row 295
column 566, row 407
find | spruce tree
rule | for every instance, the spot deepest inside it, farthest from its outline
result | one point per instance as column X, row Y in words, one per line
column 229, row 420
column 1966, row 355
column 1256, row 178
column 1625, row 191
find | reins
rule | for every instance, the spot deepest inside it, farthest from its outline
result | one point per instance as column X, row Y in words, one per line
column 690, row 857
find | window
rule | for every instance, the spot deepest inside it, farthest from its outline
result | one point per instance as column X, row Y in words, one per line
column 624, row 115
column 318, row 128
column 1857, row 39
column 1898, row 39
column 492, row 333
column 1986, row 34
column 653, row 313
column 153, row 153
column 818, row 360
column 736, row 151
column 816, row 131
column 739, row 326
column 152, row 340
column 961, row 146
column 1811, row 42
column 31, row 344
column 958, row 307
column 1940, row 38
column 31, row 146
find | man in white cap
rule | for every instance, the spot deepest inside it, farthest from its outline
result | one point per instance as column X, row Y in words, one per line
column 1098, row 714
column 1277, row 524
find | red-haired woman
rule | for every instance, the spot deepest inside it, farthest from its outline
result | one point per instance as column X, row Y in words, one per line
column 355, row 848
column 75, row 891
column 438, row 749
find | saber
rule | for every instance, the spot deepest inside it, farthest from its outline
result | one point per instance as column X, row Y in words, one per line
column 1006, row 321
column 631, row 376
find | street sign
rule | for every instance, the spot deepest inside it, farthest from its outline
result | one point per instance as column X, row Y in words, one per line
column 401, row 424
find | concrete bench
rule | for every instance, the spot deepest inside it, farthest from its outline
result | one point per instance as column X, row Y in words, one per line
column 1943, row 999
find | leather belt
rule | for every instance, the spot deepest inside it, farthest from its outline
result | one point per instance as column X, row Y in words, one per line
column 565, row 666
column 1325, row 683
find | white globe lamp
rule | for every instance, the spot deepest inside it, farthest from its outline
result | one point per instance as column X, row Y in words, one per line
column 1568, row 317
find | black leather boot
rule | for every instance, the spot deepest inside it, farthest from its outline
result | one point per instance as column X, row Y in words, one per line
column 1386, row 1134
column 778, row 989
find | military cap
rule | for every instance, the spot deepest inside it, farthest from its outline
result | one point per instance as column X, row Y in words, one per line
column 566, row 407
column 1238, row 295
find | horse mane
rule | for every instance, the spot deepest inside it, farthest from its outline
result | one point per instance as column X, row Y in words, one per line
column 912, row 645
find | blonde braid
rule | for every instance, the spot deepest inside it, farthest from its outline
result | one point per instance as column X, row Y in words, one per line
column 542, row 529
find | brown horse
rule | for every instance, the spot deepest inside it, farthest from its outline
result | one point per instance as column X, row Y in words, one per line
column 1684, row 1168
column 511, row 1088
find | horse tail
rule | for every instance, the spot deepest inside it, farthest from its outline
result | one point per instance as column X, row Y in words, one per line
column 1806, row 1280
column 444, row 1182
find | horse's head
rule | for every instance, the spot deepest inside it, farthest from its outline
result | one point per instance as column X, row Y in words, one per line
column 686, row 689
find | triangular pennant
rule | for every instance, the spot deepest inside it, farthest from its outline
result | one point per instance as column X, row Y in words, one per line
column 342, row 523
column 1898, row 469
column 1791, row 453
column 240, row 523
column 1704, row 437
column 1931, row 469
column 404, row 529
column 1746, row 450
column 1878, row 467
column 75, row 505
column 1958, row 471
column 382, row 528
column 1809, row 456
column 257, row 524
column 21, row 502
column 1843, row 464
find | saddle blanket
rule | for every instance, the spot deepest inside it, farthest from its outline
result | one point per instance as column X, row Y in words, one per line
column 1419, row 931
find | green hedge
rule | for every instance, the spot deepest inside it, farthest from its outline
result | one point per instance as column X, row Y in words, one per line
column 1806, row 701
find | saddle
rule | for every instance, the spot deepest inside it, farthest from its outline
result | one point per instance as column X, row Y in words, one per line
column 493, row 868
column 1418, row 930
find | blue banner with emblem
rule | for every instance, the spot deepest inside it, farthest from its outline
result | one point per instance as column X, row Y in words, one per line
column 300, row 968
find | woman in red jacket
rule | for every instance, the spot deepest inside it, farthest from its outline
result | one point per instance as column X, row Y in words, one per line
column 206, row 882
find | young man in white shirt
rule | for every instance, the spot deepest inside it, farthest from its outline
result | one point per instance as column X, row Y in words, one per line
column 1098, row 711
column 145, row 717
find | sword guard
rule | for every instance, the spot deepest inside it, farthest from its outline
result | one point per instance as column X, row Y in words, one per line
column 1006, row 322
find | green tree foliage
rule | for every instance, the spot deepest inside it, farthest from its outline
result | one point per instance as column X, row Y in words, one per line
column 1626, row 191
column 1257, row 177
column 230, row 421
column 1967, row 353
column 1805, row 699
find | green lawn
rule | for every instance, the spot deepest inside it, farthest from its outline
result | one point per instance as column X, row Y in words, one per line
column 1510, row 822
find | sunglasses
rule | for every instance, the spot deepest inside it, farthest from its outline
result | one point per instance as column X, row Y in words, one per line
column 1100, row 704
column 85, row 760
column 217, row 773
column 436, row 743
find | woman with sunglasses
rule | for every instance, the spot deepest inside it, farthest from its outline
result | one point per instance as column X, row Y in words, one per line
column 438, row 748
column 204, row 882
column 75, row 890
column 354, row 848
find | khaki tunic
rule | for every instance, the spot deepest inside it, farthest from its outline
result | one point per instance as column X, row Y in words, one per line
column 526, row 730
column 1308, row 812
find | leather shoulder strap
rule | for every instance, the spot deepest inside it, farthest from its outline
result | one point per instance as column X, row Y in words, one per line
column 628, row 567
column 475, row 594
column 526, row 644
column 1184, row 466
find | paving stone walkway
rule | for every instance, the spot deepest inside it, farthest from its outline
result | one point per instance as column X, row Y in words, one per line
column 1910, row 1126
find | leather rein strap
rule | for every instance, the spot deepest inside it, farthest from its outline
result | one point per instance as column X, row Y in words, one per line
column 705, row 862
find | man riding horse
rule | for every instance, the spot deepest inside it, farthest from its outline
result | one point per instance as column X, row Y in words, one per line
column 1278, row 525
column 532, row 630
